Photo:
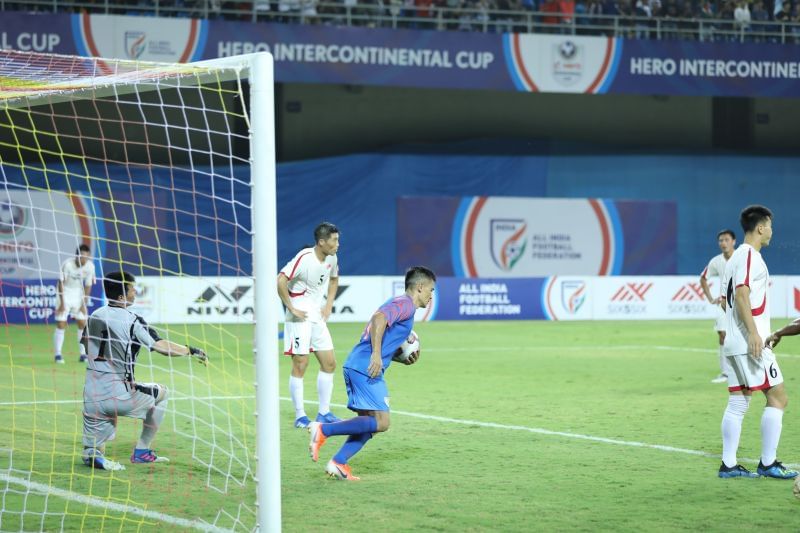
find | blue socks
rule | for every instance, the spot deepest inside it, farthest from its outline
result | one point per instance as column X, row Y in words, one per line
column 353, row 426
column 351, row 447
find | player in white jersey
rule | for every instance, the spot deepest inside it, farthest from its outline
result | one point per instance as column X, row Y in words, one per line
column 301, row 287
column 752, row 364
column 114, row 335
column 74, row 289
column 715, row 270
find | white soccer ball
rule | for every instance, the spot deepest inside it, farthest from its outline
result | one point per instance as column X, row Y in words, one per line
column 409, row 346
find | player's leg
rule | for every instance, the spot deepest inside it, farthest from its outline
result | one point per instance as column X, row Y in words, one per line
column 149, row 402
column 338, row 466
column 322, row 343
column 98, row 428
column 772, row 418
column 60, row 318
column 80, row 321
column 738, row 402
column 297, row 344
column 723, row 370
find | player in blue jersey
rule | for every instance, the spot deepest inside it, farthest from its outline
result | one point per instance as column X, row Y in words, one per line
column 364, row 369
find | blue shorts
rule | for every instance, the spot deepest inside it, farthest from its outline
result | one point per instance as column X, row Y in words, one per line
column 365, row 393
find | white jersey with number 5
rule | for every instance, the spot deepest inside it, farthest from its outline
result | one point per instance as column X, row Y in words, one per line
column 308, row 278
column 746, row 267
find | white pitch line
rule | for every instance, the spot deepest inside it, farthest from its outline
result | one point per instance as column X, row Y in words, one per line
column 111, row 506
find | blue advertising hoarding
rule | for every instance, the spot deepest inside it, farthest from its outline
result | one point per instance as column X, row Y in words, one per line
column 428, row 59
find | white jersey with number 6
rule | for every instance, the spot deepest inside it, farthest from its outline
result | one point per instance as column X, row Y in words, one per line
column 746, row 267
column 308, row 278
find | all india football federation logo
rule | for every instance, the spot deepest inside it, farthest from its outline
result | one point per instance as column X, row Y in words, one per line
column 507, row 241
column 135, row 43
column 567, row 62
column 573, row 295
column 13, row 219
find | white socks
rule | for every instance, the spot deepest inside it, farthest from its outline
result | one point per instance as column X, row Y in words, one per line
column 81, row 347
column 721, row 362
column 325, row 391
column 58, row 341
column 732, row 427
column 771, row 424
column 296, row 392
column 151, row 424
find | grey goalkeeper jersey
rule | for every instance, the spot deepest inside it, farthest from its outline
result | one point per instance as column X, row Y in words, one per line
column 115, row 336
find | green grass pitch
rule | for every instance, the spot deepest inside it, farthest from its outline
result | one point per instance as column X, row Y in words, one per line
column 501, row 426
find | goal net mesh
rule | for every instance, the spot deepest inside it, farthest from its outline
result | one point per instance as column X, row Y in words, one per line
column 149, row 166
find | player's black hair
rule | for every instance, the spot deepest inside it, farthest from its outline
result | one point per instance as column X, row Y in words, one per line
column 418, row 274
column 752, row 216
column 324, row 231
column 115, row 284
column 727, row 231
column 82, row 248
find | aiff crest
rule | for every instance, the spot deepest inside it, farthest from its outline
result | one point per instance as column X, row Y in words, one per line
column 507, row 241
column 573, row 295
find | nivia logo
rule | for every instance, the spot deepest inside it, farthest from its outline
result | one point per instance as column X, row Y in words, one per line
column 213, row 291
column 216, row 301
column 691, row 292
column 632, row 292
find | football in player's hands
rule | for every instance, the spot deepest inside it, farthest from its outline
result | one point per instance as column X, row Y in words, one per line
column 406, row 350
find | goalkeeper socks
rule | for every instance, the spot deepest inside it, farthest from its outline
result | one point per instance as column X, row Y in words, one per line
column 351, row 447
column 296, row 392
column 81, row 347
column 771, row 425
column 151, row 424
column 325, row 391
column 732, row 427
column 353, row 426
column 58, row 340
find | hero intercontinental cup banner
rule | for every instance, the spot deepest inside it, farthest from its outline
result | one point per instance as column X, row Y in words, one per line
column 431, row 59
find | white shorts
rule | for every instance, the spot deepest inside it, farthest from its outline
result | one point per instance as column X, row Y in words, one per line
column 748, row 374
column 73, row 306
column 719, row 320
column 302, row 338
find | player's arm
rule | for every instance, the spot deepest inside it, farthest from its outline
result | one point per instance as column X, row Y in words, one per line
column 788, row 330
column 60, row 292
column 171, row 349
column 742, row 303
column 377, row 327
column 333, row 288
column 706, row 288
column 283, row 293
column 148, row 336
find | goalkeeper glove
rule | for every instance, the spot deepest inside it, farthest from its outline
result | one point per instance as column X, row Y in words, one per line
column 197, row 352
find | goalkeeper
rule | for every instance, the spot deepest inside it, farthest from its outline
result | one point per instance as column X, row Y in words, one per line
column 113, row 337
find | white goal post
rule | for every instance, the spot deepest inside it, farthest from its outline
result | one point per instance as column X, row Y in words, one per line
column 86, row 156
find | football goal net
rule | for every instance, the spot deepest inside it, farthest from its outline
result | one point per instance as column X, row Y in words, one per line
column 165, row 172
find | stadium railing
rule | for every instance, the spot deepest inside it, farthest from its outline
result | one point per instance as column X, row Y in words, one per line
column 395, row 14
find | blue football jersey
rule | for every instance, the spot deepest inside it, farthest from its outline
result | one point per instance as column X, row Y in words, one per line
column 399, row 312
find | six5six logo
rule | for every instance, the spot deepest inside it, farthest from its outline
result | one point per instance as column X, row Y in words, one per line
column 630, row 299
column 690, row 300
